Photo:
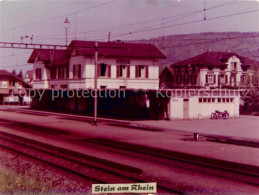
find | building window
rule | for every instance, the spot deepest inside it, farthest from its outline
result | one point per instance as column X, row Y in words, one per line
column 77, row 71
column 63, row 86
column 210, row 78
column 103, row 87
column 255, row 80
column 123, row 71
column 104, row 70
column 247, row 80
column 38, row 74
column 194, row 79
column 141, row 71
column 4, row 84
column 61, row 72
column 11, row 83
column 242, row 79
column 186, row 79
column 200, row 100
column 219, row 100
column 179, row 79
column 222, row 79
column 233, row 80
column 233, row 65
column 53, row 73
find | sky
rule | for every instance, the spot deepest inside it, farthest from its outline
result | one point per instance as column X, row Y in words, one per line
column 124, row 19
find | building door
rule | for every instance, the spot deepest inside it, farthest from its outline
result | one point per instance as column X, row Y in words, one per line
column 186, row 108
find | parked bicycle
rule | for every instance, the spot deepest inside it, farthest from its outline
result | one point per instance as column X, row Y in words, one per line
column 217, row 114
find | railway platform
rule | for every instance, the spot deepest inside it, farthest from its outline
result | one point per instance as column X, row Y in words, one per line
column 162, row 135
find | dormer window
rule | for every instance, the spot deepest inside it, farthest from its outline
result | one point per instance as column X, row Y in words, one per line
column 233, row 65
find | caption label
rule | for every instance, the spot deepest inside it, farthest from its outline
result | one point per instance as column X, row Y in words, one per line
column 124, row 188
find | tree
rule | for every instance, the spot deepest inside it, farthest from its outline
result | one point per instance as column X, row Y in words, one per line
column 251, row 97
column 20, row 75
column 14, row 72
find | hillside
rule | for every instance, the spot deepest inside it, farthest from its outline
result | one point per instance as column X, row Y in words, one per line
column 180, row 47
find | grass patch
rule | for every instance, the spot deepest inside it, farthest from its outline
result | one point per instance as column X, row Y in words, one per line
column 14, row 183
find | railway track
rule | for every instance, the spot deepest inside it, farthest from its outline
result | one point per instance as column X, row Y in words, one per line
column 98, row 170
column 234, row 171
column 101, row 171
column 95, row 170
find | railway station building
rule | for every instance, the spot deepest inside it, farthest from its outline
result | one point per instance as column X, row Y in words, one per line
column 120, row 65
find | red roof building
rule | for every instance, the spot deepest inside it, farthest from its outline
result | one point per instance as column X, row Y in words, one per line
column 120, row 65
column 210, row 69
column 10, row 85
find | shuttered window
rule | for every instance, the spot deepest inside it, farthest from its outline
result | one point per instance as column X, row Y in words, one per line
column 128, row 71
column 104, row 70
column 210, row 79
column 142, row 71
column 77, row 71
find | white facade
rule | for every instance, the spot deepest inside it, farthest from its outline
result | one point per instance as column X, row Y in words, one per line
column 201, row 104
column 230, row 76
column 120, row 65
column 88, row 73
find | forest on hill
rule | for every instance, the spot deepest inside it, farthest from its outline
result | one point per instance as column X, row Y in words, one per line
column 181, row 47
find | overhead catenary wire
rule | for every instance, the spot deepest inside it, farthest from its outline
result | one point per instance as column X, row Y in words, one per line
column 151, row 29
column 176, row 17
column 184, row 15
column 176, row 46
column 57, row 17
column 184, row 23
column 14, row 54
column 212, row 40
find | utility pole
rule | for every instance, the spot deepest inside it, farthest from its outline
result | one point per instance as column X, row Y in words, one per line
column 95, row 83
column 109, row 36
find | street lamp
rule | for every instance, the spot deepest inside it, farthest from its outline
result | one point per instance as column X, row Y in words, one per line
column 66, row 25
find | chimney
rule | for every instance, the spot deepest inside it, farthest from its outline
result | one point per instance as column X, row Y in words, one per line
column 228, row 51
column 208, row 50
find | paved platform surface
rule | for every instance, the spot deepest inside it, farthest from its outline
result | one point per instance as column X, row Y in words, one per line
column 167, row 138
column 243, row 126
